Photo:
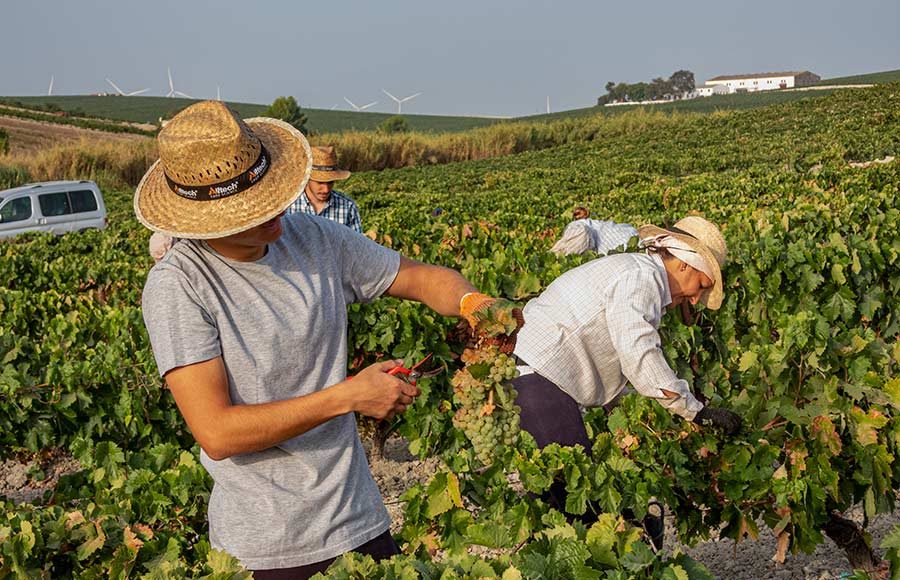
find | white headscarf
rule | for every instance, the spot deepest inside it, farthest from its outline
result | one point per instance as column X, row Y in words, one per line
column 680, row 250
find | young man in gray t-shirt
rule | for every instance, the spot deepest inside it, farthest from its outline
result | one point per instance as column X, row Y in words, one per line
column 247, row 316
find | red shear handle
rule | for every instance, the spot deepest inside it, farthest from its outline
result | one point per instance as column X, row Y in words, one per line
column 401, row 370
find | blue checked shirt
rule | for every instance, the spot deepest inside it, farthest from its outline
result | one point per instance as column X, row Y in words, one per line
column 339, row 208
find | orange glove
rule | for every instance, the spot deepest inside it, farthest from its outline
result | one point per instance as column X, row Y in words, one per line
column 474, row 302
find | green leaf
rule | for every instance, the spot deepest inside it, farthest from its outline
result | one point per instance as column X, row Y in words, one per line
column 748, row 361
column 837, row 274
column 674, row 572
column 93, row 544
column 869, row 503
column 489, row 534
column 601, row 540
column 866, row 425
column 443, row 493
column 695, row 570
column 639, row 558
column 511, row 573
column 892, row 390
column 479, row 371
column 224, row 566
column 892, row 540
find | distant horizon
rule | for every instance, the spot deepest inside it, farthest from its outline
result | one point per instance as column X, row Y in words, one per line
column 383, row 113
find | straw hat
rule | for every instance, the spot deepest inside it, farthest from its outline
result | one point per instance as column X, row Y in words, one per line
column 704, row 238
column 218, row 175
column 325, row 167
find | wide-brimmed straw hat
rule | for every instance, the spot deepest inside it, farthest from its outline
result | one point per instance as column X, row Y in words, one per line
column 325, row 167
column 218, row 175
column 704, row 238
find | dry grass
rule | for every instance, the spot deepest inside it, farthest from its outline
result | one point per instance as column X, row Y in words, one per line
column 367, row 151
column 27, row 136
column 123, row 163
column 118, row 164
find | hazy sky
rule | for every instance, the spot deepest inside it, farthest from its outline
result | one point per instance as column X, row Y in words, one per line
column 467, row 56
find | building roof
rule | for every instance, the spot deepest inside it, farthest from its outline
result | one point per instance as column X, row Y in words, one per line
column 759, row 75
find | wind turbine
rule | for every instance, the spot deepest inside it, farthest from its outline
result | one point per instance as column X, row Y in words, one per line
column 172, row 92
column 548, row 104
column 358, row 108
column 218, row 94
column 400, row 101
column 124, row 94
column 50, row 90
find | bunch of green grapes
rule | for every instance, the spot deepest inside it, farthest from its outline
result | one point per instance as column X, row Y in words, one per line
column 487, row 413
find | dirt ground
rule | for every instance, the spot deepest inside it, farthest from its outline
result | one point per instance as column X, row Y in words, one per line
column 25, row 478
column 27, row 136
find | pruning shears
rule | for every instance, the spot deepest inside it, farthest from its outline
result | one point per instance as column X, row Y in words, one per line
column 413, row 374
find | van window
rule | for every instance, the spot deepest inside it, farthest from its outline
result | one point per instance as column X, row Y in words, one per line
column 16, row 210
column 83, row 200
column 53, row 204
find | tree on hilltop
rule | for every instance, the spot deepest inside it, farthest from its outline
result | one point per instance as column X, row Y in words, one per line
column 682, row 81
column 395, row 124
column 287, row 109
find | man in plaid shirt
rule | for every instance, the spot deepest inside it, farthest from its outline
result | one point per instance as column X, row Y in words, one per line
column 321, row 199
column 595, row 329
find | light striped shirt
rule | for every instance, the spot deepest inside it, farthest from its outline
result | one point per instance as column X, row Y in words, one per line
column 595, row 329
column 599, row 236
column 340, row 209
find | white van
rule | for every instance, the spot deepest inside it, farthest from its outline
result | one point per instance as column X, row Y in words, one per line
column 52, row 206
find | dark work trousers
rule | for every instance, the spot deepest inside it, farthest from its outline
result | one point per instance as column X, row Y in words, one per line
column 380, row 548
column 552, row 416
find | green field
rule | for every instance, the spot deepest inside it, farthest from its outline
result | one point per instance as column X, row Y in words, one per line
column 140, row 109
column 729, row 102
column 806, row 349
column 890, row 76
column 733, row 102
column 149, row 109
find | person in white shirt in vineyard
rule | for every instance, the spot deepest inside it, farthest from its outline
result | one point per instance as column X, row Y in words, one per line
column 595, row 329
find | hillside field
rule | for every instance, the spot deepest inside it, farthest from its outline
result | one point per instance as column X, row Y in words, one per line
column 806, row 348
column 140, row 109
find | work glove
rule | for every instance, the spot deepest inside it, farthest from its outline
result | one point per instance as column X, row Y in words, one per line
column 472, row 303
column 728, row 421
column 494, row 315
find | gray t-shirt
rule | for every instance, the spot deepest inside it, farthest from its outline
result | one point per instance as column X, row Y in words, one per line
column 280, row 325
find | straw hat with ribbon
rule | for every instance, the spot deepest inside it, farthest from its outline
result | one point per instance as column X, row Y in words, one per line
column 691, row 238
column 218, row 175
column 325, row 167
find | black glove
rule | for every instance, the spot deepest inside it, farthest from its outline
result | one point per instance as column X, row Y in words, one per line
column 728, row 421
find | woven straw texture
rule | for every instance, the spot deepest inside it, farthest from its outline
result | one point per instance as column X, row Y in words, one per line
column 707, row 241
column 206, row 144
column 326, row 157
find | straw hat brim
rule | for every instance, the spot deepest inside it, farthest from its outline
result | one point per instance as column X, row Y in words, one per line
column 711, row 298
column 336, row 175
column 162, row 210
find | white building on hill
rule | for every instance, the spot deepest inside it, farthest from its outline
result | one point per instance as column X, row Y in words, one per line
column 764, row 81
column 709, row 90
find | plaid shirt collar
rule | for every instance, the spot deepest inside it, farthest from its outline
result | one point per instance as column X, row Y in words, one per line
column 307, row 207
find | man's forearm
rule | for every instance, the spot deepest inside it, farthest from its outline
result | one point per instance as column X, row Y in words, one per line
column 437, row 287
column 445, row 291
column 240, row 429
